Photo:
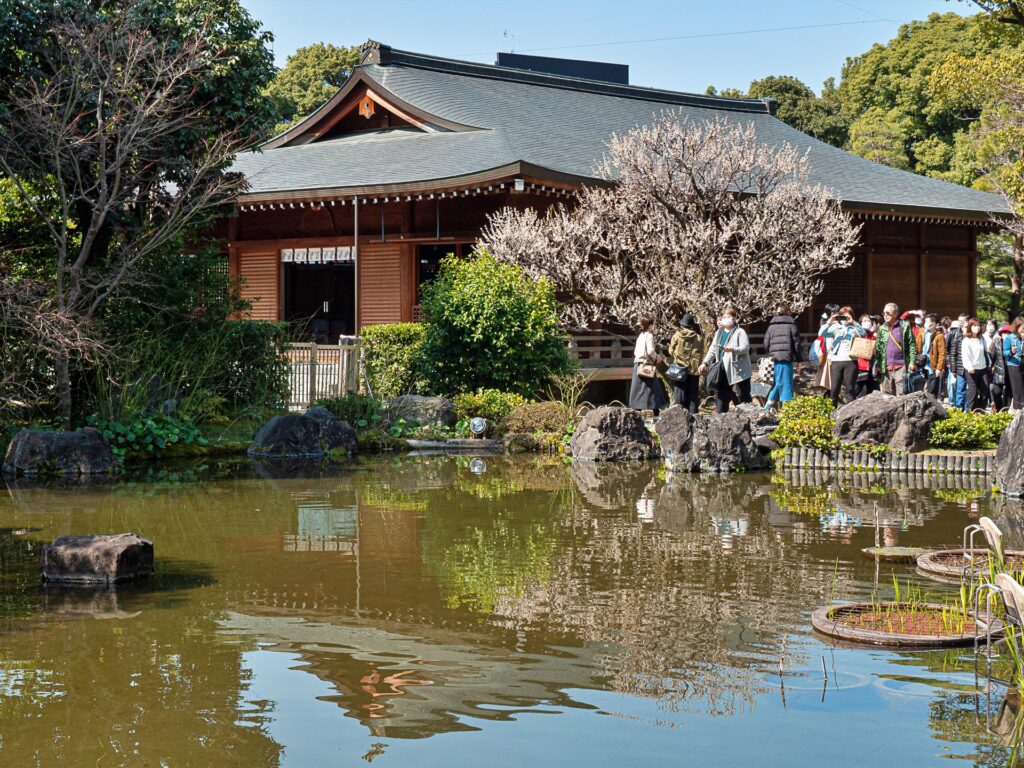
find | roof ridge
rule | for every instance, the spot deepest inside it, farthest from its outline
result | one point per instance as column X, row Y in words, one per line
column 374, row 52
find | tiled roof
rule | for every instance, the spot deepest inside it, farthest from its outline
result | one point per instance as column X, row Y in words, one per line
column 560, row 124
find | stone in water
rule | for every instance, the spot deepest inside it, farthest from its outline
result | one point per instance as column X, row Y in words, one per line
column 97, row 559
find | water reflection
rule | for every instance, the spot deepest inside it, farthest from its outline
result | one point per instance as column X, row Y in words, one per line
column 418, row 597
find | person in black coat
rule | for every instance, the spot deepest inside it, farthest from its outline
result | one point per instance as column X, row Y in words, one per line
column 782, row 343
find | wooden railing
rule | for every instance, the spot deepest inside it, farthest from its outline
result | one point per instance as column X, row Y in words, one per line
column 332, row 370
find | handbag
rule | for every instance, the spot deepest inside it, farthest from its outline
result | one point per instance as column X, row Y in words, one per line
column 715, row 375
column 676, row 372
column 824, row 377
column 766, row 370
column 862, row 348
column 646, row 370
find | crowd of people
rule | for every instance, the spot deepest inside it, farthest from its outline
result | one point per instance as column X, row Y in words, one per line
column 967, row 363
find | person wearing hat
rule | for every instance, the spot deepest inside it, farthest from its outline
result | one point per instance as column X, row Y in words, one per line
column 686, row 349
column 1013, row 352
column 782, row 343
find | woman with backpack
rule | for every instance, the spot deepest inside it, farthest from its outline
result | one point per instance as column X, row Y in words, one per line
column 782, row 344
column 686, row 349
column 727, row 363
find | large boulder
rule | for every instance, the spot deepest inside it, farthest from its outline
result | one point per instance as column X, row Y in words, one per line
column 303, row 436
column 613, row 434
column 709, row 442
column 418, row 409
column 338, row 434
column 1010, row 458
column 97, row 559
column 35, row 452
column 902, row 422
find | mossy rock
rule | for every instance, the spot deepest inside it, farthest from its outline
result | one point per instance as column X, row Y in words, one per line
column 532, row 442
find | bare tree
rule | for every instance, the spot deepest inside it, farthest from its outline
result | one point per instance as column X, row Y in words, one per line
column 91, row 126
column 696, row 216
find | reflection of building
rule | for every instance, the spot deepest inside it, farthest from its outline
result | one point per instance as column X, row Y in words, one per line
column 323, row 528
column 424, row 679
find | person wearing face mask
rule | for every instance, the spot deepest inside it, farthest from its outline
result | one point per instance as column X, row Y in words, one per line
column 933, row 353
column 998, row 383
column 990, row 336
column 895, row 351
column 956, row 379
column 865, row 375
column 731, row 348
column 1013, row 352
column 842, row 331
column 975, row 364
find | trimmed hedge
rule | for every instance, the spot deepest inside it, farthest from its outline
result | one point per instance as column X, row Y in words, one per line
column 533, row 418
column 391, row 354
column 806, row 421
column 491, row 404
column 969, row 431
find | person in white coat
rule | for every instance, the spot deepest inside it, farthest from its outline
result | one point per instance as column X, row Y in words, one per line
column 975, row 362
column 646, row 392
column 731, row 348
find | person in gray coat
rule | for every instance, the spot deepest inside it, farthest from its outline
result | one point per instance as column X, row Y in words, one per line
column 730, row 347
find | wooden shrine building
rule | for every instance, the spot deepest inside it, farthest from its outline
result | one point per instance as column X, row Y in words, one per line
column 349, row 212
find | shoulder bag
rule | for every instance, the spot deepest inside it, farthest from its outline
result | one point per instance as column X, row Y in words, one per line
column 676, row 372
column 715, row 376
column 862, row 348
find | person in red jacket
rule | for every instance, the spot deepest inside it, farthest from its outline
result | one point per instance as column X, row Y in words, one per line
column 865, row 375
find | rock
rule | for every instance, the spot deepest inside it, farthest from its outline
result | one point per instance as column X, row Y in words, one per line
column 36, row 452
column 97, row 559
column 762, row 423
column 613, row 434
column 291, row 436
column 1010, row 458
column 709, row 442
column 338, row 433
column 417, row 409
column 313, row 435
column 902, row 422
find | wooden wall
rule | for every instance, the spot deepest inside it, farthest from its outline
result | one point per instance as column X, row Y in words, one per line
column 917, row 265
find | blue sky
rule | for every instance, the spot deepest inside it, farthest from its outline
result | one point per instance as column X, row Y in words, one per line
column 711, row 46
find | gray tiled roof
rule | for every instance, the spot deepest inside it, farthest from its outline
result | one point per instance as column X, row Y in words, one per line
column 561, row 124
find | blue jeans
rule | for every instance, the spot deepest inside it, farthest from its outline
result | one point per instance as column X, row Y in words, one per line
column 957, row 390
column 782, row 389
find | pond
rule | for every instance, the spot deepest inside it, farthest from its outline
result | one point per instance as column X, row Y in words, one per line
column 440, row 611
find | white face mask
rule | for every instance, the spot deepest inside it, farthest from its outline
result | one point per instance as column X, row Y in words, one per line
column 727, row 322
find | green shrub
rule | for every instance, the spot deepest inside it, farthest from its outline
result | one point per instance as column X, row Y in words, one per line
column 489, row 325
column 360, row 411
column 969, row 431
column 806, row 421
column 148, row 435
column 535, row 418
column 391, row 354
column 491, row 404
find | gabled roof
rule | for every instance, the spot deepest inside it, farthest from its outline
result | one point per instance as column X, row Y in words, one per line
column 469, row 122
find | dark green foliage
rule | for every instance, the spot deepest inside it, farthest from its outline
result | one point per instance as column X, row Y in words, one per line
column 391, row 354
column 800, row 107
column 969, row 431
column 146, row 436
column 491, row 404
column 360, row 411
column 808, row 422
column 491, row 326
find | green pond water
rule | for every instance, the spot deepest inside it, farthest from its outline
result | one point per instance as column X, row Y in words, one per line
column 502, row 612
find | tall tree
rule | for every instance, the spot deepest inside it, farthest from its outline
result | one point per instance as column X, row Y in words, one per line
column 696, row 217
column 120, row 134
column 309, row 78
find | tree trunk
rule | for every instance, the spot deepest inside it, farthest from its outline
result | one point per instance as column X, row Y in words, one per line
column 1016, row 277
column 63, row 370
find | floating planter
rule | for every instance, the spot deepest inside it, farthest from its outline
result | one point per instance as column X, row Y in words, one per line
column 894, row 554
column 950, row 563
column 900, row 625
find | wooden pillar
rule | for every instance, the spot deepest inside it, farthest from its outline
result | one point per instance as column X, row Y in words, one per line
column 922, row 266
column 408, row 282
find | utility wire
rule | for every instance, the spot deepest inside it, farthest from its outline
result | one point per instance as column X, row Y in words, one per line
column 689, row 37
